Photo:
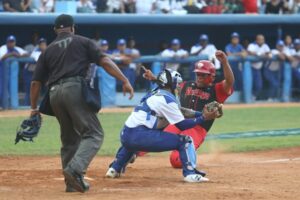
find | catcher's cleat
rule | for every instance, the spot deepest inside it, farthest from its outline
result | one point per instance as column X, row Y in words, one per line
column 202, row 173
column 75, row 180
column 195, row 178
column 112, row 173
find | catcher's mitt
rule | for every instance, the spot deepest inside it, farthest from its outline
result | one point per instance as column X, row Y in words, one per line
column 213, row 106
column 29, row 128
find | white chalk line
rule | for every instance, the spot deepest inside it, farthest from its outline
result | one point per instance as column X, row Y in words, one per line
column 282, row 160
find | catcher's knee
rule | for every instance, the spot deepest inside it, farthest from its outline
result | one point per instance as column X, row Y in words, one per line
column 175, row 159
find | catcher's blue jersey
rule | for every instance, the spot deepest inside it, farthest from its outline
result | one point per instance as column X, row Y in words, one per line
column 159, row 103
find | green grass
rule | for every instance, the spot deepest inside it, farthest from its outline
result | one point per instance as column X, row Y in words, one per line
column 235, row 120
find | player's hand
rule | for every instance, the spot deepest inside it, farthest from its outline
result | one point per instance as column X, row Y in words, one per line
column 221, row 56
column 148, row 74
column 210, row 115
column 128, row 88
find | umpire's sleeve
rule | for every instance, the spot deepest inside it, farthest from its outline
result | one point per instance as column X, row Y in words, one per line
column 41, row 72
column 94, row 52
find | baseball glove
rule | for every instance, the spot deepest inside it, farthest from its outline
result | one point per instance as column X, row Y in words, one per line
column 29, row 128
column 213, row 106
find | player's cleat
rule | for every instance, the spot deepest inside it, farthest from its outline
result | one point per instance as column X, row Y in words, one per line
column 112, row 173
column 75, row 180
column 202, row 173
column 195, row 178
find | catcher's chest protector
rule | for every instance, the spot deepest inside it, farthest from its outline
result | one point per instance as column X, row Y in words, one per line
column 196, row 98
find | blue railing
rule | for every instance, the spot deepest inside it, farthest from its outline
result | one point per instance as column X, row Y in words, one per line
column 10, row 83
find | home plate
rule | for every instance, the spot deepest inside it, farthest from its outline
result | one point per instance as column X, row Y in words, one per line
column 86, row 178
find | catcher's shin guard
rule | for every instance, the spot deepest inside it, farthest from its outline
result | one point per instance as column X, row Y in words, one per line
column 188, row 155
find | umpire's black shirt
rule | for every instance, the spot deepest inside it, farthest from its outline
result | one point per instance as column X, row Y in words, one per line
column 68, row 55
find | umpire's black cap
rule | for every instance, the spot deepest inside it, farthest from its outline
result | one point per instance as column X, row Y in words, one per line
column 63, row 21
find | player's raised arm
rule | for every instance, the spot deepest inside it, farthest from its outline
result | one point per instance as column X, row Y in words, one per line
column 228, row 74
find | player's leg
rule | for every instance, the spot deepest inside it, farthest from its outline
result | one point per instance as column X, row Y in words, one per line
column 70, row 139
column 86, row 123
column 149, row 140
column 198, row 135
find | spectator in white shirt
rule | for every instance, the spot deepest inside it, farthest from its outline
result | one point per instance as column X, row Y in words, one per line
column 272, row 71
column 85, row 6
column 10, row 50
column 207, row 49
column 115, row 6
column 46, row 6
column 174, row 52
column 29, row 68
column 145, row 6
column 260, row 49
column 296, row 63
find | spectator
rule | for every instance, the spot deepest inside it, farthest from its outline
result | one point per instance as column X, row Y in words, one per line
column 129, row 6
column 6, row 51
column 34, row 41
column 260, row 49
column 163, row 6
column 123, row 56
column 275, row 7
column 288, row 42
column 115, row 6
column 29, row 68
column 174, row 52
column 233, row 6
column 262, row 6
column 104, row 47
column 250, row 6
column 214, row 7
column 85, row 6
column 195, row 6
column 101, row 6
column 296, row 7
column 234, row 48
column 47, row 6
column 145, row 6
column 205, row 48
column 135, row 53
column 296, row 63
column 272, row 71
column 16, row 5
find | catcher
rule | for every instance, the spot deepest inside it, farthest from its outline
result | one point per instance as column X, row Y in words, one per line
column 196, row 94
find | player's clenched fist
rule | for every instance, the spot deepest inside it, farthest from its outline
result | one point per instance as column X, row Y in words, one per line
column 221, row 56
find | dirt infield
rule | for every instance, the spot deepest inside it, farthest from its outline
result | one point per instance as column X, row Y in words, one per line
column 257, row 175
column 22, row 113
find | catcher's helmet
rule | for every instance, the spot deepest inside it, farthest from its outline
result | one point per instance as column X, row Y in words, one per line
column 166, row 78
column 205, row 67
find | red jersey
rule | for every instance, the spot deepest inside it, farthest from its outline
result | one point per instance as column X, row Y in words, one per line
column 196, row 98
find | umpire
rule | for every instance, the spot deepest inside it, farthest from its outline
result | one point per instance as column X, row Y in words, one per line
column 63, row 67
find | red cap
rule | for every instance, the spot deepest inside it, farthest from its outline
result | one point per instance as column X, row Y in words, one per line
column 205, row 67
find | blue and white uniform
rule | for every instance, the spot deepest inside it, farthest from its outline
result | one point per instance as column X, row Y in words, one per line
column 140, row 132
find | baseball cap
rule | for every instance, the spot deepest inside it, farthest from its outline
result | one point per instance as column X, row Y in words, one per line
column 175, row 41
column 203, row 37
column 235, row 35
column 121, row 42
column 103, row 42
column 280, row 43
column 297, row 41
column 41, row 40
column 63, row 21
column 11, row 38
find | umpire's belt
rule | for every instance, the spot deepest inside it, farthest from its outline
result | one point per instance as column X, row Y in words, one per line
column 69, row 79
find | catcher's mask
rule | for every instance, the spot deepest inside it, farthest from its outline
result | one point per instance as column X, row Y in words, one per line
column 206, row 71
column 169, row 79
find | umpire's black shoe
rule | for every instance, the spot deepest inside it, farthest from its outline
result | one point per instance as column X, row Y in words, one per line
column 75, row 181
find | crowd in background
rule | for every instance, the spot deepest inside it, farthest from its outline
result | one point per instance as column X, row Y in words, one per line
column 267, row 75
column 161, row 6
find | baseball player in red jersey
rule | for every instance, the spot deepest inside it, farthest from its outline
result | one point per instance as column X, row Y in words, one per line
column 196, row 94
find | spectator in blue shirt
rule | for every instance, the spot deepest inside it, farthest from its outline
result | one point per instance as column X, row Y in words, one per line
column 234, row 48
column 123, row 56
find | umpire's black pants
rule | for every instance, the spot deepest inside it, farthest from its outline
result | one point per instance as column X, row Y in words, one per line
column 81, row 131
